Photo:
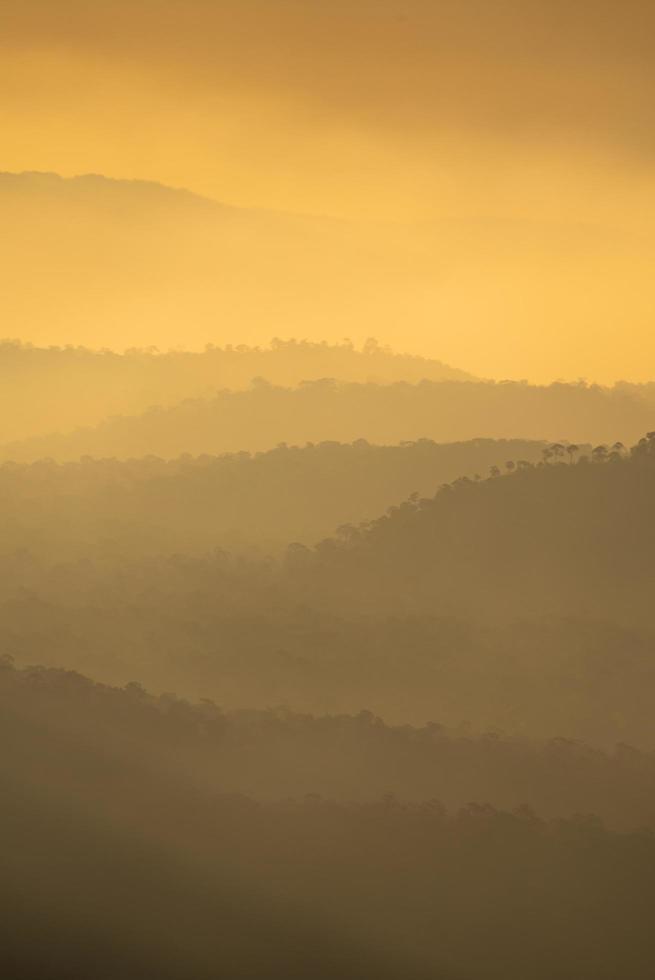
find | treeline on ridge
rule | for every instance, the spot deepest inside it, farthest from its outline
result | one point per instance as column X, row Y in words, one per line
column 276, row 754
column 50, row 389
column 569, row 537
column 266, row 415
column 240, row 501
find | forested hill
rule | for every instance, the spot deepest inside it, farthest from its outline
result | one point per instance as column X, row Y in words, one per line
column 265, row 415
column 277, row 754
column 45, row 389
column 240, row 501
column 571, row 536
column 125, row 861
column 521, row 601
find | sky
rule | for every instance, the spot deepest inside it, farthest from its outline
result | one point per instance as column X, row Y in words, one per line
column 455, row 111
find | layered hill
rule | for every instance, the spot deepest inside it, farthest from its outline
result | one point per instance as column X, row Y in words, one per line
column 274, row 755
column 119, row 858
column 520, row 603
column 47, row 389
column 266, row 415
column 258, row 502
column 114, row 263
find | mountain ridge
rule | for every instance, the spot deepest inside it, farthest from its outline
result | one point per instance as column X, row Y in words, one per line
column 263, row 415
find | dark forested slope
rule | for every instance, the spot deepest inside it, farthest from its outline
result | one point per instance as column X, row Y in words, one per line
column 117, row 859
column 154, row 506
column 278, row 754
column 568, row 538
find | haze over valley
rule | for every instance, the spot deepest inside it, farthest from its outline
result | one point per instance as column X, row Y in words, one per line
column 327, row 470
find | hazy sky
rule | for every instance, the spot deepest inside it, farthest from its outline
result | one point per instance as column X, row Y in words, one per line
column 474, row 110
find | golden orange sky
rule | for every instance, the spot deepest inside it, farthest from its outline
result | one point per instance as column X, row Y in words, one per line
column 473, row 111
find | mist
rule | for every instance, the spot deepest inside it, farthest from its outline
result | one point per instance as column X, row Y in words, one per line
column 327, row 464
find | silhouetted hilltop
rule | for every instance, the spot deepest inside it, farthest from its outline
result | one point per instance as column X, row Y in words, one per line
column 265, row 415
column 261, row 501
column 45, row 189
column 46, row 389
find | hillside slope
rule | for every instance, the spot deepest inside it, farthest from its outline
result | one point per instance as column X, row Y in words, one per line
column 556, row 539
column 193, row 504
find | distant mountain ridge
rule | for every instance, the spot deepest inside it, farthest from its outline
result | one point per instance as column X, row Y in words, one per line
column 101, row 262
column 96, row 187
column 263, row 415
column 45, row 389
column 104, row 262
column 49, row 182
